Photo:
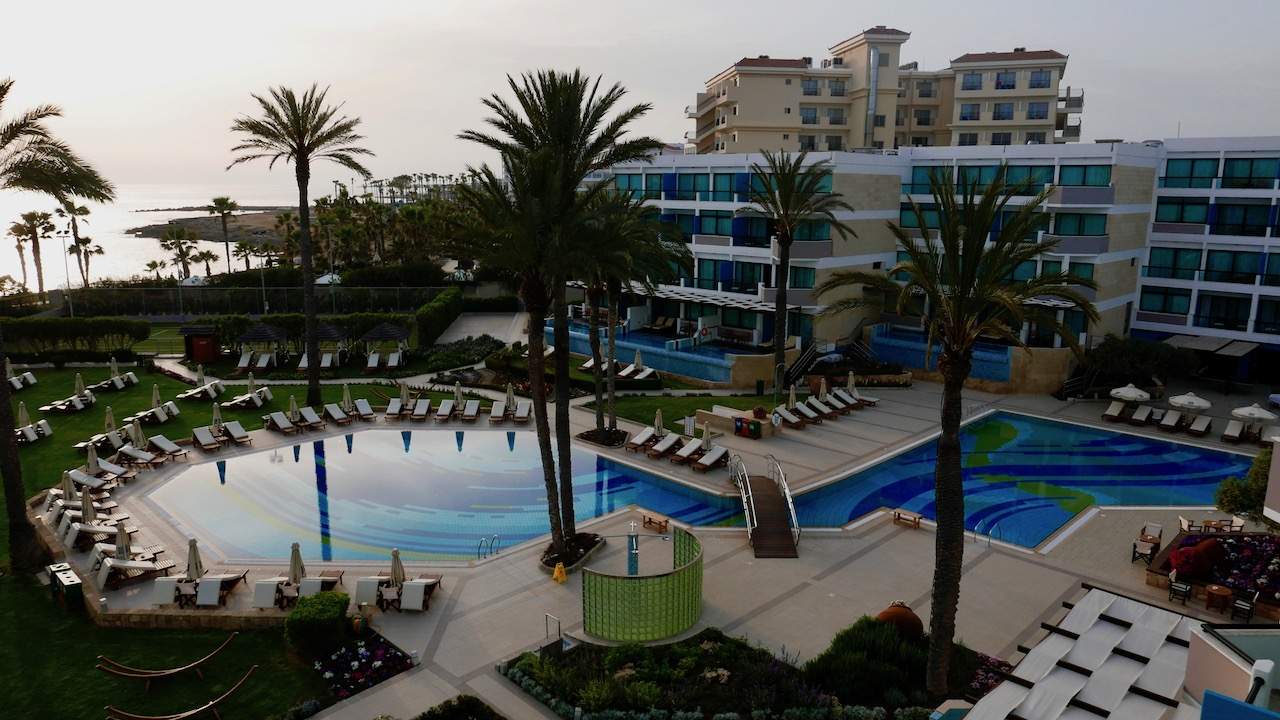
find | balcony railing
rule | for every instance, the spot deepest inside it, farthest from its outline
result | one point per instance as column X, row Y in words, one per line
column 1221, row 322
column 837, row 92
column 808, row 119
column 924, row 121
column 810, row 90
column 1235, row 277
column 1187, row 182
column 1269, row 327
column 1238, row 229
column 841, row 120
column 1247, row 183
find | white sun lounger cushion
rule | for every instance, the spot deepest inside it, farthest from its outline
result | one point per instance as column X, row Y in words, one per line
column 326, row 361
column 523, row 408
column 413, row 595
column 806, row 411
column 164, row 591
column 643, row 374
column 665, row 444
column 498, row 411
column 83, row 478
column 310, row 586
column 367, row 590
column 471, row 409
column 264, row 592
column 302, row 365
column 363, row 408
column 689, row 449
column 445, row 410
column 421, row 407
column 393, row 408
column 207, row 591
column 28, row 378
column 373, row 360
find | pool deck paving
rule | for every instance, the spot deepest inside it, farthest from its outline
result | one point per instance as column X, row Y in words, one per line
column 489, row 611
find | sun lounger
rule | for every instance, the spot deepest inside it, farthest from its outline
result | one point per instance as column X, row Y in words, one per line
column 302, row 364
column 523, row 408
column 421, row 409
column 445, row 411
column 835, row 403
column 372, row 364
column 234, row 430
column 265, row 360
column 1232, row 434
column 393, row 409
column 640, row 440
column 713, row 458
column 171, row 407
column 865, row 399
column 168, row 447
column 663, row 446
column 246, row 359
column 157, row 415
column 808, row 413
column 1141, row 416
column 393, row 360
column 843, row 396
column 265, row 592
column 27, row 433
column 788, row 418
column 688, row 453
column 1200, row 426
column 140, row 457
column 203, row 436
column 1114, row 412
column 118, row 382
column 820, row 408
column 119, row 473
column 15, row 383
column 102, row 551
column 645, row 374
column 363, row 410
column 335, row 414
column 326, row 361
column 586, row 366
column 310, row 419
column 28, row 378
column 627, row 371
column 367, row 590
column 498, row 412
column 416, row 594
column 471, row 411
column 80, row 477
column 1171, row 421
column 116, row 572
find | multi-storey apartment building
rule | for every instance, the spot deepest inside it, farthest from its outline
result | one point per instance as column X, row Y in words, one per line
column 862, row 97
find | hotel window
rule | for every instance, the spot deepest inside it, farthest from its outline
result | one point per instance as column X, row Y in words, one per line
column 706, row 274
column 1089, row 175
column 740, row 319
column 900, row 117
column 1268, row 319
column 1035, row 176
column 907, row 216
column 835, row 143
column 1232, row 267
column 924, row 118
column 813, row 230
column 971, row 81
column 878, row 121
column 800, row 324
column 1241, row 218
column 1182, row 210
column 632, row 185
column 884, row 59
column 1190, row 173
column 1174, row 263
column 836, row 88
column 1079, row 224
column 1244, row 173
column 835, row 116
column 1002, row 111
column 1023, row 272
column 1001, row 138
column 692, row 187
column 1272, row 275
column 1036, row 138
column 1228, row 312
column 747, row 276
column 1082, row 270
column 653, row 186
column 1039, row 222
column 1076, row 321
column 1039, row 79
column 921, row 177
column 971, row 111
column 809, row 87
column 1172, row 301
column 808, row 116
column 1038, row 111
column 968, row 139
column 809, row 142
column 919, row 141
column 722, row 186
column 716, row 222
column 924, row 88
column 1050, row 267
column 978, row 176
column 803, row 277
column 1006, row 80
column 687, row 221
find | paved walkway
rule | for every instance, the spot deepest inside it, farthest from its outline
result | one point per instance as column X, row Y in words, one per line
column 507, row 327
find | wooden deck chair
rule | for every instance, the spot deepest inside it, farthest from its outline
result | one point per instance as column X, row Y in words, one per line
column 280, row 422
column 808, row 413
column 246, row 359
column 302, row 364
column 664, row 446
column 1172, row 421
column 310, row 419
column 1141, row 416
column 445, row 411
column 687, row 454
column 640, row 440
column 167, row 446
column 523, row 408
column 1199, row 427
column 1114, row 412
column 645, row 374
column 713, row 458
column 364, row 410
column 1233, row 432
column 788, row 418
column 334, row 413
column 821, row 408
column 627, row 371
column 265, row 360
column 234, row 430
column 471, row 411
column 393, row 410
column 203, row 436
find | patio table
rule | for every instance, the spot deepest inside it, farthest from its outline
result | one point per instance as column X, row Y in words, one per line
column 1217, row 597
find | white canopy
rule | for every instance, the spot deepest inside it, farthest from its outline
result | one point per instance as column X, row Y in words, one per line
column 1130, row 393
column 1253, row 412
column 1190, row 401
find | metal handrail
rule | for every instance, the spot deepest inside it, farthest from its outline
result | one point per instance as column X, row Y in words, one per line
column 779, row 478
column 738, row 471
column 487, row 546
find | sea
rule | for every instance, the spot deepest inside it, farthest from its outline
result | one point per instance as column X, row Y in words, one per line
column 109, row 224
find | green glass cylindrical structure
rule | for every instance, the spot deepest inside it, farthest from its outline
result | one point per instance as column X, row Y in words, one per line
column 643, row 608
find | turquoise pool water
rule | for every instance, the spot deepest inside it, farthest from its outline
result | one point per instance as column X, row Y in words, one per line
column 1025, row 477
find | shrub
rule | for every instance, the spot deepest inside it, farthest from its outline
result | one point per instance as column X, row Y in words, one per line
column 912, row 713
column 463, row 707
column 597, row 694
column 1246, row 495
column 437, row 315
column 318, row 624
column 459, row 353
column 94, row 334
column 643, row 694
column 406, row 275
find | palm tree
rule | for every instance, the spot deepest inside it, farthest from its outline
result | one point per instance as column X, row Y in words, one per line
column 225, row 208
column 964, row 279
column 244, row 251
column 793, row 196
column 33, row 227
column 300, row 129
column 18, row 232
column 206, row 257
column 83, row 249
column 181, row 242
column 286, row 229
column 74, row 214
column 564, row 126
column 156, row 266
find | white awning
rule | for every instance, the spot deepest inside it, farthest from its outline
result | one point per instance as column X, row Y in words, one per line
column 688, row 294
column 1237, row 348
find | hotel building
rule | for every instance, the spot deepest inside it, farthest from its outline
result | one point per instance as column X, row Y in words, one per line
column 862, row 97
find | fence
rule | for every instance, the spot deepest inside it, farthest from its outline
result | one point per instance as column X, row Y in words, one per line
column 640, row 608
column 186, row 301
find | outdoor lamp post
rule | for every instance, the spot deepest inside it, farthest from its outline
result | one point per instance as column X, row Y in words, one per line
column 66, row 269
column 633, row 551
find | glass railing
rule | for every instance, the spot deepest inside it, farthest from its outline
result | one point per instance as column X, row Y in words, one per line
column 1235, row 277
column 1221, row 322
column 809, row 120
column 837, row 92
column 1169, row 273
column 1187, row 182
column 700, row 283
column 739, row 286
column 760, row 242
column 1270, row 327
column 1238, row 229
column 837, row 121
column 1247, row 183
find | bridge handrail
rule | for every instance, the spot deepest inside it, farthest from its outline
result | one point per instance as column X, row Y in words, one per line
column 738, row 471
column 779, row 477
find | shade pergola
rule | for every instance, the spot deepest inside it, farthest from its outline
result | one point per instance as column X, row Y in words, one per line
column 263, row 333
column 385, row 332
column 697, row 295
column 330, row 333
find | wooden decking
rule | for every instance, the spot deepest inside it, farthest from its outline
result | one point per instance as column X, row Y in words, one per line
column 772, row 536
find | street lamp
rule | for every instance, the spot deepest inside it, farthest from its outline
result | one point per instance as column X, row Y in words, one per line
column 66, row 269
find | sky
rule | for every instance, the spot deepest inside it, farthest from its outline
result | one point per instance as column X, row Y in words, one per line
column 149, row 90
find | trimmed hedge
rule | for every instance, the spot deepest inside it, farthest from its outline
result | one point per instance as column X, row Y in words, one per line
column 95, row 334
column 407, row 275
column 437, row 315
column 318, row 624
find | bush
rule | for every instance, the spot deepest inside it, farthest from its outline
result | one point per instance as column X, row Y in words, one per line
column 437, row 315
column 459, row 353
column 463, row 707
column 501, row 303
column 1246, row 495
column 1117, row 361
column 318, row 624
column 406, row 275
column 94, row 334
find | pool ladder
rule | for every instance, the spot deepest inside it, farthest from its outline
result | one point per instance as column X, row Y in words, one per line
column 992, row 531
column 488, row 546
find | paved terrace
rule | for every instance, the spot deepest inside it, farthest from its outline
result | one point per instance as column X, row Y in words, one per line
column 489, row 611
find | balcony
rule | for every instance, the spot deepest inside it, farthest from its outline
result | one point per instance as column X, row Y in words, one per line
column 840, row 120
column 1079, row 244
column 1233, row 277
column 1162, row 318
column 795, row 296
column 806, row 249
column 700, row 133
column 1221, row 322
column 1068, row 133
column 1069, row 102
column 808, row 119
column 701, row 240
column 1082, row 195
column 836, row 91
column 1247, row 183
column 1187, row 182
column 1175, row 228
column 1239, row 229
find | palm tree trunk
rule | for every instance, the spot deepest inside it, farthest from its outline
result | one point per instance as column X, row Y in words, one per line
column 593, row 323
column 246, row 266
column 535, row 301
column 25, row 553
column 303, row 172
column 226, row 243
column 949, row 538
column 35, row 256
column 611, row 361
column 780, row 305
column 22, row 260
column 564, row 447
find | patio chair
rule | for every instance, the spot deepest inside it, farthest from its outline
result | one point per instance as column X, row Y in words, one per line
column 808, row 413
column 372, row 364
column 416, row 594
column 663, row 446
column 1237, row 524
column 1243, row 605
column 80, row 477
column 1200, row 426
column 393, row 410
column 330, row 579
column 279, row 422
column 27, row 433
column 498, row 412
column 266, row 593
column 523, row 408
column 234, row 430
column 642, row 439
column 265, row 360
column 1233, row 432
column 1188, row 527
column 364, row 411
column 1172, row 421
column 1178, row 590
column 310, row 586
column 471, row 411
column 1114, row 412
column 393, row 360
column 713, row 458
column 1268, row 432
column 821, row 408
column 788, row 418
column 657, row 323
column 367, row 590
column 421, row 409
column 310, row 419
column 203, row 436
column 120, row 473
column 302, row 364
column 167, row 446
column 834, row 402
column 687, row 454
column 1141, row 416
column 15, row 382
column 334, row 413
column 1144, row 550
column 444, row 411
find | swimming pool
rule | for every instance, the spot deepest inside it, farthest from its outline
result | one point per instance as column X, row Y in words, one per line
column 1025, row 477
column 431, row 493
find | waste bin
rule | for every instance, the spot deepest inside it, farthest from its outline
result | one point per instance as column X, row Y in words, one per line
column 70, row 590
column 52, row 571
column 754, row 430
column 739, row 427
column 759, row 388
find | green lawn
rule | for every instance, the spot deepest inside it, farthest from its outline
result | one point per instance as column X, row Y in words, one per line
column 164, row 339
column 641, row 408
column 49, row 656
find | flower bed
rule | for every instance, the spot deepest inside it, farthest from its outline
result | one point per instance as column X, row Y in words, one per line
column 990, row 673
column 361, row 664
column 1249, row 561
